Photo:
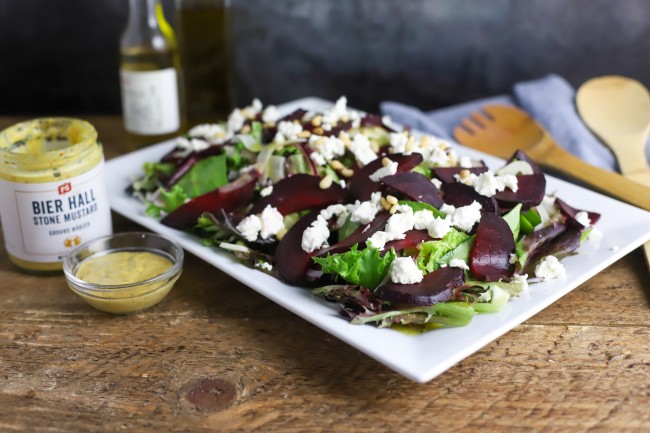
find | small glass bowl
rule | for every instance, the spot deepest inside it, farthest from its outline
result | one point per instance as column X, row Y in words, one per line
column 132, row 296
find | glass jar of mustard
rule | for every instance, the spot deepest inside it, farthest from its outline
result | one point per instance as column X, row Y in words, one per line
column 52, row 191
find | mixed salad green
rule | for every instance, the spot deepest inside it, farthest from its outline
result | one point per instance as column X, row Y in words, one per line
column 393, row 226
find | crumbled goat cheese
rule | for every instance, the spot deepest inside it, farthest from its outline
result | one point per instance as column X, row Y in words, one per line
column 365, row 212
column 325, row 149
column 272, row 222
column 398, row 142
column 583, row 218
column 387, row 170
column 252, row 110
column 191, row 145
column 465, row 217
column 447, row 208
column 362, row 150
column 439, row 227
column 334, row 114
column 235, row 121
column 403, row 270
column 520, row 279
column 550, row 268
column 315, row 236
column 436, row 182
column 379, row 239
column 465, row 162
column 401, row 221
column 422, row 219
column 250, row 227
column 287, row 131
column 458, row 263
column 488, row 184
column 271, row 114
column 209, row 132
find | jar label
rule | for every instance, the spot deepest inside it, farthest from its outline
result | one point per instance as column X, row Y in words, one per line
column 42, row 222
column 150, row 101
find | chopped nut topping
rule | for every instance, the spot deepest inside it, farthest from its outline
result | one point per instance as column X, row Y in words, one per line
column 326, row 182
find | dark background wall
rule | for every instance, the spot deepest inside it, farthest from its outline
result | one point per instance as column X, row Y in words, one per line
column 60, row 57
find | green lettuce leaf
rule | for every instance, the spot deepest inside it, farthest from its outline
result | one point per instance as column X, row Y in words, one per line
column 152, row 172
column 366, row 267
column 431, row 252
column 439, row 315
column 167, row 202
column 418, row 205
column 513, row 218
column 206, row 175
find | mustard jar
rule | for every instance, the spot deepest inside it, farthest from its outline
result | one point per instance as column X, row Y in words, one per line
column 52, row 191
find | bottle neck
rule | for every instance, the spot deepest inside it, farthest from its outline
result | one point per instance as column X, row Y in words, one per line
column 143, row 26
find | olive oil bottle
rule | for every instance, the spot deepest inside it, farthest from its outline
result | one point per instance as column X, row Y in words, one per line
column 204, row 46
column 149, row 75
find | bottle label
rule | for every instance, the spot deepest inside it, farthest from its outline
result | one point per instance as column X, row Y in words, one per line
column 150, row 101
column 42, row 222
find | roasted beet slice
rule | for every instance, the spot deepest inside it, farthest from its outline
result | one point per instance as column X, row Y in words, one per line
column 521, row 156
column 370, row 120
column 359, row 236
column 299, row 192
column 437, row 286
column 291, row 261
column 530, row 192
column 411, row 240
column 490, row 254
column 360, row 185
column 459, row 194
column 414, row 186
column 446, row 174
column 570, row 213
column 228, row 197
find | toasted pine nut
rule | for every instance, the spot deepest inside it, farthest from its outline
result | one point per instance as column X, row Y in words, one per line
column 464, row 174
column 321, row 140
column 280, row 234
column 410, row 143
column 424, row 141
column 374, row 146
column 245, row 129
column 304, row 134
column 317, row 120
column 385, row 161
column 384, row 203
column 319, row 131
column 391, row 199
column 393, row 209
column 347, row 172
column 326, row 182
column 345, row 138
column 337, row 165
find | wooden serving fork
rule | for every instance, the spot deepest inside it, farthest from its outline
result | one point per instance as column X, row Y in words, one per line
column 501, row 130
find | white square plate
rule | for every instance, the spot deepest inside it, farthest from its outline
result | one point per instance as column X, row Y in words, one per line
column 420, row 357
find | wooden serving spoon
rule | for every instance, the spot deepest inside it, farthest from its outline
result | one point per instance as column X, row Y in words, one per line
column 617, row 109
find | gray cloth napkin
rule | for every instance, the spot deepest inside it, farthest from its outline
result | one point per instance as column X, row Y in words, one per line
column 550, row 100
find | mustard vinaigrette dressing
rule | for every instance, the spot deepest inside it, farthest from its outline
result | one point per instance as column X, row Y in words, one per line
column 52, row 191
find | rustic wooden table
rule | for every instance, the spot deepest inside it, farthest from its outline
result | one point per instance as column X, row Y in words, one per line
column 217, row 356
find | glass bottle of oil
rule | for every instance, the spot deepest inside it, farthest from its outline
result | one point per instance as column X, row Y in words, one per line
column 204, row 46
column 149, row 75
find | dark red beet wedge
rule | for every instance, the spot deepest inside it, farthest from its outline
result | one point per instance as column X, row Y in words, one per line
column 360, row 185
column 291, row 261
column 437, row 286
column 459, row 194
column 490, row 255
column 228, row 197
column 446, row 174
column 564, row 244
column 411, row 240
column 414, row 186
column 530, row 192
column 299, row 192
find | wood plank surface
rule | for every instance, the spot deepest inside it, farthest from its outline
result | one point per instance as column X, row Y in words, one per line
column 217, row 356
